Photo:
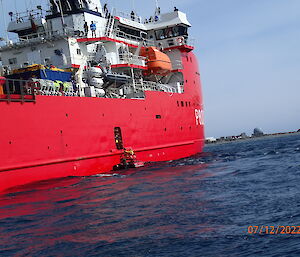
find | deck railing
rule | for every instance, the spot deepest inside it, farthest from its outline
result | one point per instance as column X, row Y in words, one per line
column 16, row 90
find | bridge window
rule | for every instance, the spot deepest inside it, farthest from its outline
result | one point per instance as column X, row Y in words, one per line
column 171, row 32
column 132, row 32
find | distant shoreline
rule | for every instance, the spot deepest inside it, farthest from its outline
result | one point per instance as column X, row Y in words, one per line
column 222, row 141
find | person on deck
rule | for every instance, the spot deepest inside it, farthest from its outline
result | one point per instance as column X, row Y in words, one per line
column 105, row 10
column 132, row 15
column 93, row 29
column 86, row 29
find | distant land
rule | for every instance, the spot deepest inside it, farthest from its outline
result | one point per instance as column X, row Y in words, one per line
column 256, row 134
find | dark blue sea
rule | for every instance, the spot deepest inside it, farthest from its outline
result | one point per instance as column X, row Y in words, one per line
column 198, row 206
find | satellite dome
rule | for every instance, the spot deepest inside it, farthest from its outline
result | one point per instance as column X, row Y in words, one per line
column 257, row 132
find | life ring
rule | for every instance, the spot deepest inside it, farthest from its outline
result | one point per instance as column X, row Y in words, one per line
column 180, row 40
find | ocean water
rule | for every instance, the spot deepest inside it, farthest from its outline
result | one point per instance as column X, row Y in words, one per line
column 198, row 206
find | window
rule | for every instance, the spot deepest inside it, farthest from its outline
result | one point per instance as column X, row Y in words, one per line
column 160, row 34
column 78, row 51
column 182, row 104
column 12, row 61
column 47, row 61
column 183, row 31
column 144, row 34
column 158, row 116
column 132, row 32
column 171, row 32
column 58, row 52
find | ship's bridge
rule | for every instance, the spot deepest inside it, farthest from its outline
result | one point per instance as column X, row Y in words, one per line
column 166, row 30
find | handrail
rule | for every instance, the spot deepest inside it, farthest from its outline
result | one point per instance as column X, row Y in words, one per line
column 124, row 35
column 21, row 17
column 16, row 90
column 153, row 86
column 127, row 57
column 128, row 16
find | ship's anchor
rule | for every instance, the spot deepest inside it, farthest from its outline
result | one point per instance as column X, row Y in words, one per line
column 128, row 160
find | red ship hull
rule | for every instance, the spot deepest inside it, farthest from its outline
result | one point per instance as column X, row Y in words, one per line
column 74, row 136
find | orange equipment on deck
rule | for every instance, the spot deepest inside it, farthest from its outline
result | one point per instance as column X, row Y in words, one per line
column 158, row 63
column 2, row 82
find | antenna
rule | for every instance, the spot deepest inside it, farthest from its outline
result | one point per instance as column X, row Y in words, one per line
column 157, row 9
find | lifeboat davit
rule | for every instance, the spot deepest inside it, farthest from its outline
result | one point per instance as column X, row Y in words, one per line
column 158, row 63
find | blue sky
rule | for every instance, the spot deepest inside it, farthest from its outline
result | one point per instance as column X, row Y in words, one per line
column 249, row 55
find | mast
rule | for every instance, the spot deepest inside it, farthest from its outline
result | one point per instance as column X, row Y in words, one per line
column 62, row 16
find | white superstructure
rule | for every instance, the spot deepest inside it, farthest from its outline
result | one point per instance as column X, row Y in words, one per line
column 77, row 34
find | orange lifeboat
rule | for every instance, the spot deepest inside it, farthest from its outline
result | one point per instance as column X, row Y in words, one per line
column 158, row 63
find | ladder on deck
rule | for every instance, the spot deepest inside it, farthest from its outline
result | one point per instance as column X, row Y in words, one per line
column 110, row 24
